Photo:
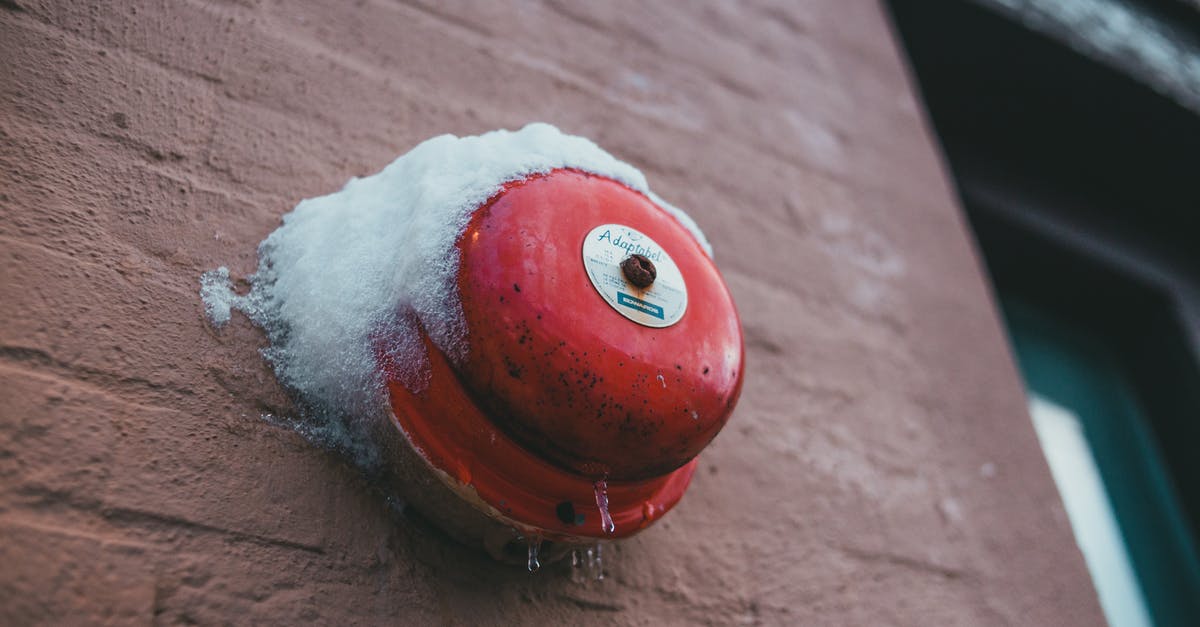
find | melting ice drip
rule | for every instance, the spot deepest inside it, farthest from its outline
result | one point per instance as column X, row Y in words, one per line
column 594, row 560
column 606, row 521
column 589, row 562
column 534, row 543
column 535, row 546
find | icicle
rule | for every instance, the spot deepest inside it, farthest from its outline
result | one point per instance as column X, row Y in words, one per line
column 535, row 545
column 576, row 566
column 606, row 521
column 599, row 563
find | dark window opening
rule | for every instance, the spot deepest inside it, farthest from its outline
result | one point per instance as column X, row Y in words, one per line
column 1081, row 182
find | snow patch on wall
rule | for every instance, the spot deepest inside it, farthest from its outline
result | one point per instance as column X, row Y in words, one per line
column 334, row 280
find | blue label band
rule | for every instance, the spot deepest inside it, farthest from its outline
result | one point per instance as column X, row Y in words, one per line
column 640, row 305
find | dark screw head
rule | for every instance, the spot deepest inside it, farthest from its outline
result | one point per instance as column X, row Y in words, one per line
column 639, row 270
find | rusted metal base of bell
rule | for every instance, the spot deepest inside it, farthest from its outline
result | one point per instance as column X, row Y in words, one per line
column 440, row 499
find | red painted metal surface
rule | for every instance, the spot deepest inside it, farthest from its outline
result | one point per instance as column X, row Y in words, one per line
column 558, row 390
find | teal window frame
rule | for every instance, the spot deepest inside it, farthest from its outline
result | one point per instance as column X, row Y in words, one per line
column 1077, row 370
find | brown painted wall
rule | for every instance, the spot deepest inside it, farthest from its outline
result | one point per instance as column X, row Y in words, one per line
column 880, row 468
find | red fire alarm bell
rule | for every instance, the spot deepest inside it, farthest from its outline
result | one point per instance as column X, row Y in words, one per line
column 603, row 353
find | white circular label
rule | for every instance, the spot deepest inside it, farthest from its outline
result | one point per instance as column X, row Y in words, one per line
column 662, row 303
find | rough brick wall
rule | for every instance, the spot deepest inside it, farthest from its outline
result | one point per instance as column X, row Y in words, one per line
column 879, row 470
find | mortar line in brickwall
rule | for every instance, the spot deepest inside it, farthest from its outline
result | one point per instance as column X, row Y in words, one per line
column 21, row 366
column 151, row 278
column 278, row 196
column 162, row 272
column 246, row 194
column 260, row 429
column 697, row 70
column 17, row 520
column 39, row 25
column 284, row 202
column 373, row 70
column 249, row 194
column 21, row 519
column 147, row 150
column 801, row 164
column 416, row 96
column 109, row 520
column 19, row 359
column 127, row 516
column 168, row 564
column 837, row 40
column 704, row 78
column 807, row 302
column 42, row 359
column 36, row 24
column 541, row 66
column 40, row 498
column 367, row 70
column 569, row 18
column 735, row 271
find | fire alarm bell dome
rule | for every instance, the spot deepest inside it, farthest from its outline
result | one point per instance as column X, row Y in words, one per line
column 602, row 353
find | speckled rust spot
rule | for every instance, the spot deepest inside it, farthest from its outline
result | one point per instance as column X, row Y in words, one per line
column 639, row 270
